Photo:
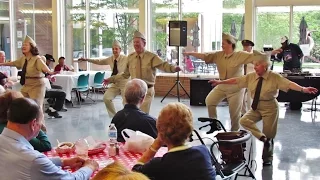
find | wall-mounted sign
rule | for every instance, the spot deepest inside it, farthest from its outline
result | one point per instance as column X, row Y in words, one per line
column 19, row 44
column 19, row 34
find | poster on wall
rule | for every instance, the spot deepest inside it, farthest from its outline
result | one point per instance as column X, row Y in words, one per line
column 19, row 44
column 19, row 34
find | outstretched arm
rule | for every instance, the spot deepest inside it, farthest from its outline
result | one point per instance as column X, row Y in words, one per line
column 310, row 90
column 215, row 82
column 7, row 64
column 195, row 54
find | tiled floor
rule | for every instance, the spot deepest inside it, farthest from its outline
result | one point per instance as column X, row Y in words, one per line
column 297, row 147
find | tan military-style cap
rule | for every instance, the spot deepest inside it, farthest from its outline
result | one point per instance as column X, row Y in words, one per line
column 247, row 42
column 138, row 34
column 116, row 43
column 28, row 39
column 227, row 36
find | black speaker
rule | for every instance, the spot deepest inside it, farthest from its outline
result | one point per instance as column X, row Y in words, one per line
column 199, row 89
column 178, row 33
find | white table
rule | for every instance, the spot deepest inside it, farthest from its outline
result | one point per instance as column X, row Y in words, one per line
column 17, row 86
column 69, row 80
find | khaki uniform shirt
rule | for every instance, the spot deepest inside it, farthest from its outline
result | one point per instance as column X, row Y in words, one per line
column 121, row 62
column 149, row 63
column 34, row 67
column 230, row 66
column 271, row 84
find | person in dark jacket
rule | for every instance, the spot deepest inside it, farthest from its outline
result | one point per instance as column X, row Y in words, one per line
column 291, row 55
column 131, row 117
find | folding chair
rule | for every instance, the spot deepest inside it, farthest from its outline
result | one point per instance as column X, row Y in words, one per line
column 98, row 83
column 83, row 87
column 230, row 169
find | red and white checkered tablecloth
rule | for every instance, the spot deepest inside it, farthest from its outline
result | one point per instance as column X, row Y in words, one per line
column 128, row 159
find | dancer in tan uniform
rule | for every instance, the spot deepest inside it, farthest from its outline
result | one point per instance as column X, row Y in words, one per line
column 118, row 64
column 248, row 68
column 265, row 105
column 230, row 64
column 142, row 64
column 33, row 69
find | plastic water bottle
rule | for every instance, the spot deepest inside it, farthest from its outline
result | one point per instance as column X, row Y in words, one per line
column 113, row 133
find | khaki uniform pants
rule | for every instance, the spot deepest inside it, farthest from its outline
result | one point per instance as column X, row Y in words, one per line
column 34, row 89
column 234, row 96
column 110, row 94
column 145, row 106
column 268, row 112
column 247, row 101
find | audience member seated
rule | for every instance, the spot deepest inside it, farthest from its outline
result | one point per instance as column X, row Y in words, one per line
column 10, row 72
column 56, row 97
column 41, row 142
column 131, row 117
column 5, row 81
column 18, row 158
column 117, row 171
column 61, row 66
column 49, row 60
column 175, row 125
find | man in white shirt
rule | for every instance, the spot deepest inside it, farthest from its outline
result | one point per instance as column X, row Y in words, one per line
column 18, row 158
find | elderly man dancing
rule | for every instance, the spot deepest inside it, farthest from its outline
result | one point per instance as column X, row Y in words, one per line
column 264, row 85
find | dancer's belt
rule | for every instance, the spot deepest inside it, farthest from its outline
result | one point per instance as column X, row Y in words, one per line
column 150, row 86
column 34, row 77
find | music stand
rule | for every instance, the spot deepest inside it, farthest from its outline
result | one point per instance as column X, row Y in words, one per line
column 177, row 83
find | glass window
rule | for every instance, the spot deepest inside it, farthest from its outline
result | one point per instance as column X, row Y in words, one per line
column 203, row 18
column 117, row 23
column 204, row 33
column 233, row 20
column 306, row 34
column 78, row 27
column 162, row 12
column 5, row 29
column 34, row 18
column 109, row 21
column 272, row 24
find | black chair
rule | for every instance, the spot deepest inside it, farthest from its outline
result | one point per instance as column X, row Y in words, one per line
column 226, row 170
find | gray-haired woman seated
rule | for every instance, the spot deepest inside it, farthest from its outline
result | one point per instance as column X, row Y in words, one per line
column 264, row 86
column 175, row 125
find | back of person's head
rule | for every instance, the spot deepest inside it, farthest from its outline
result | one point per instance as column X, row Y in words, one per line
column 175, row 123
column 117, row 171
column 23, row 110
column 5, row 102
column 135, row 91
